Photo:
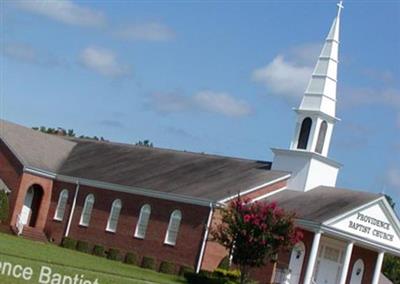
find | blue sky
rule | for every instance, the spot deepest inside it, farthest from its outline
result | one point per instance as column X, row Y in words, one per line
column 182, row 75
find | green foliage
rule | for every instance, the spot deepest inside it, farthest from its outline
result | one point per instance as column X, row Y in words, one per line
column 145, row 143
column 205, row 277
column 68, row 243
column 224, row 263
column 255, row 232
column 63, row 132
column 131, row 258
column 4, row 207
column 390, row 200
column 113, row 254
column 149, row 263
column 82, row 246
column 233, row 275
column 98, row 250
column 391, row 268
column 167, row 267
column 185, row 269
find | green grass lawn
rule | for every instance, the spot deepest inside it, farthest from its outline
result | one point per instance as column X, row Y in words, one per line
column 32, row 254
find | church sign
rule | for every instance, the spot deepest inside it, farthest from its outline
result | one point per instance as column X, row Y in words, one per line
column 371, row 223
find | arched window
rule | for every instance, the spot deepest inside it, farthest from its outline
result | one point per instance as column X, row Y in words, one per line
column 304, row 133
column 114, row 216
column 358, row 272
column 173, row 227
column 87, row 210
column 321, row 137
column 143, row 221
column 62, row 203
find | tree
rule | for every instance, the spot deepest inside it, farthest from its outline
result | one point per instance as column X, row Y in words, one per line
column 145, row 143
column 391, row 264
column 3, row 205
column 254, row 233
column 68, row 133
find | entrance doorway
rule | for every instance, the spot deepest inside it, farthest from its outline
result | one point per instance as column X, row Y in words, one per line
column 31, row 207
column 329, row 263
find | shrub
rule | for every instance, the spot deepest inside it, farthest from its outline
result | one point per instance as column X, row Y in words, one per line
column 149, row 263
column 203, row 277
column 113, row 254
column 167, row 267
column 4, row 208
column 98, row 250
column 219, row 276
column 233, row 275
column 68, row 243
column 185, row 269
column 82, row 246
column 224, row 264
column 131, row 258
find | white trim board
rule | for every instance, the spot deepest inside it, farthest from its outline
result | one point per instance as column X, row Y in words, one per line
column 255, row 188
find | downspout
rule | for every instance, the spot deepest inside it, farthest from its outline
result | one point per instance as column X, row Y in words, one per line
column 71, row 214
column 203, row 245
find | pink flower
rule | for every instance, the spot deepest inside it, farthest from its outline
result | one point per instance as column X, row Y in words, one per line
column 247, row 218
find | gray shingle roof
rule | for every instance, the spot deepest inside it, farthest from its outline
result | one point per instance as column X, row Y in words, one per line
column 193, row 174
column 322, row 203
column 33, row 148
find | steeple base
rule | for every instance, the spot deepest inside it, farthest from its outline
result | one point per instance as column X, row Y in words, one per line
column 309, row 170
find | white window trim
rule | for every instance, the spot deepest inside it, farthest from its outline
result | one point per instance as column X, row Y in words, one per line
column 136, row 235
column 81, row 223
column 169, row 227
column 114, row 204
column 58, row 205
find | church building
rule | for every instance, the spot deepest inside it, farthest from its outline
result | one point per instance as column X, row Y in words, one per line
column 162, row 203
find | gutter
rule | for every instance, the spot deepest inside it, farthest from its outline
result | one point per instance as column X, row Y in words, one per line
column 205, row 237
column 71, row 215
column 121, row 188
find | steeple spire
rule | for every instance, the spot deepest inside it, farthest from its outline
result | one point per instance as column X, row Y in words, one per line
column 307, row 158
column 320, row 94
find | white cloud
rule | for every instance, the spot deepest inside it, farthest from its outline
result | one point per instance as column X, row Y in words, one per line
column 20, row 51
column 398, row 120
column 283, row 78
column 26, row 53
column 206, row 101
column 151, row 31
column 221, row 103
column 393, row 178
column 64, row 11
column 102, row 61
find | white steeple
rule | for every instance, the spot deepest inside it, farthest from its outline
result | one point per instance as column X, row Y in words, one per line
column 307, row 157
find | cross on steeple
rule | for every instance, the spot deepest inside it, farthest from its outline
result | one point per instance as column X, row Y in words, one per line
column 340, row 5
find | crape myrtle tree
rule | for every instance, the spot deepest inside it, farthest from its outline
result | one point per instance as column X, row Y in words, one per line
column 254, row 233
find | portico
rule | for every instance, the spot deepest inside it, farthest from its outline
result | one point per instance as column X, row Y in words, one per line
column 331, row 258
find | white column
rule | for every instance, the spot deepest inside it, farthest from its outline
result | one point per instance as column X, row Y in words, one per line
column 378, row 268
column 312, row 258
column 346, row 263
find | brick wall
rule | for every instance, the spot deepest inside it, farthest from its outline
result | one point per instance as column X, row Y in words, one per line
column 10, row 173
column 369, row 257
column 186, row 250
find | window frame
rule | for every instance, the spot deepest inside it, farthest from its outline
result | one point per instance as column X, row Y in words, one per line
column 116, row 205
column 64, row 199
column 85, row 207
column 143, row 209
column 168, row 233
